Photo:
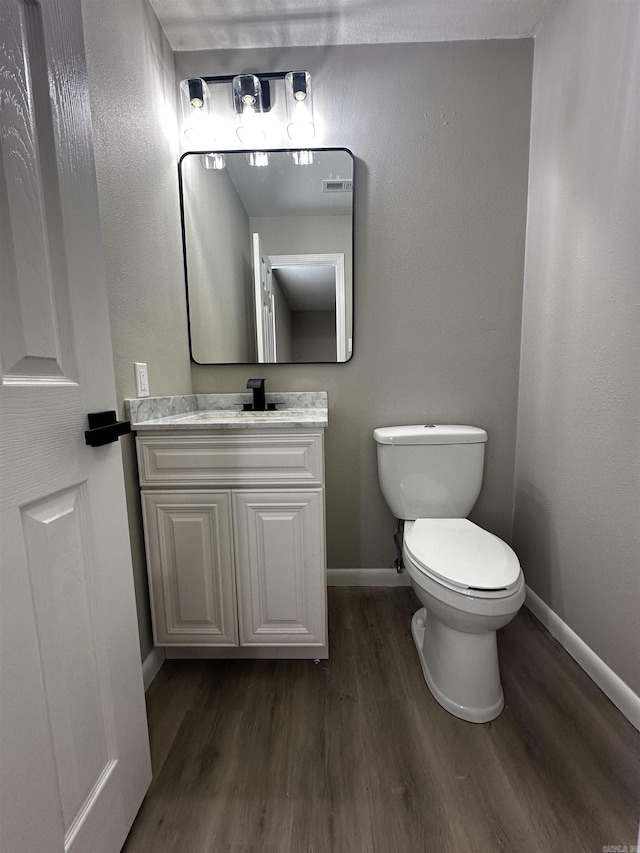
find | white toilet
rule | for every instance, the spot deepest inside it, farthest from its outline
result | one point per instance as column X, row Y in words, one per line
column 469, row 581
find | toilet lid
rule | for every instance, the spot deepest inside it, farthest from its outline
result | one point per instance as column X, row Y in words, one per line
column 459, row 552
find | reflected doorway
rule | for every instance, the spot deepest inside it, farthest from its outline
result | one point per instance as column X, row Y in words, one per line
column 309, row 307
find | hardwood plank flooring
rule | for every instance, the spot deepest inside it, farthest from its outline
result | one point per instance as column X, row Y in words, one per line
column 353, row 755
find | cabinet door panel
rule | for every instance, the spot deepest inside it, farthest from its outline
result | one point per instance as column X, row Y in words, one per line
column 191, row 577
column 279, row 539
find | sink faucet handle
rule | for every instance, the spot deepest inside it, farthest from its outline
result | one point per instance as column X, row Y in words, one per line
column 259, row 399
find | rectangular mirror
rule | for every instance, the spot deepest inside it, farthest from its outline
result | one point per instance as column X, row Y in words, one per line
column 268, row 247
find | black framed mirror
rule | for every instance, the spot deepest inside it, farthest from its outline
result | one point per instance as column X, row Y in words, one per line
column 268, row 250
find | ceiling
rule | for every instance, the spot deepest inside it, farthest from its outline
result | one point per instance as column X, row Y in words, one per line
column 308, row 288
column 217, row 24
column 284, row 189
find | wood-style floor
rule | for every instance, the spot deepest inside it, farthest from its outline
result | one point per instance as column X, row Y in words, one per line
column 353, row 755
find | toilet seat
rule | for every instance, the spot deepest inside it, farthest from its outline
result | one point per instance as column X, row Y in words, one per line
column 459, row 554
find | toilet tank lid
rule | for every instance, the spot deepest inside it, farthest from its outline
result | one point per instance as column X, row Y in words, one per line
column 430, row 434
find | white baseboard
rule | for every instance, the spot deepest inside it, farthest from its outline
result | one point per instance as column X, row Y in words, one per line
column 611, row 685
column 151, row 665
column 367, row 577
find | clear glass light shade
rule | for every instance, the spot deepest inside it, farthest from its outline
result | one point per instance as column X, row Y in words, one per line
column 302, row 158
column 299, row 99
column 247, row 102
column 258, row 158
column 212, row 160
column 197, row 112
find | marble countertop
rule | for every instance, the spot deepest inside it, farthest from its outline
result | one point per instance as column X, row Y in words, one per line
column 225, row 411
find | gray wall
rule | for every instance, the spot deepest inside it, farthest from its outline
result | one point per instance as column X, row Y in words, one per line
column 131, row 84
column 219, row 266
column 314, row 336
column 576, row 524
column 284, row 319
column 441, row 137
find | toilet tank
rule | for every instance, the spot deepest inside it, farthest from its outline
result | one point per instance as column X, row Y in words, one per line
column 430, row 471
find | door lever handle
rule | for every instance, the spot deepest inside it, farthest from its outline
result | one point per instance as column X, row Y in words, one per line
column 104, row 428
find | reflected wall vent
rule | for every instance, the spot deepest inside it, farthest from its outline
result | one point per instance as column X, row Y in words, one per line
column 337, row 186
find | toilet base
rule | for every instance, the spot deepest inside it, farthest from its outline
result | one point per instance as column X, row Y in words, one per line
column 461, row 669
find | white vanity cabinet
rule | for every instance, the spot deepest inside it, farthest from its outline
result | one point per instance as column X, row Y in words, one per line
column 235, row 538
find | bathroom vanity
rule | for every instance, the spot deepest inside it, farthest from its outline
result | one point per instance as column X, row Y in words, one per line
column 233, row 509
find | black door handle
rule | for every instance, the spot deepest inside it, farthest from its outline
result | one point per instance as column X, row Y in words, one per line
column 104, row 428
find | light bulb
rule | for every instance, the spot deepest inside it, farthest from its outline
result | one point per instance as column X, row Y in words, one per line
column 250, row 130
column 213, row 161
column 300, row 126
column 248, row 104
column 258, row 158
column 197, row 114
column 302, row 158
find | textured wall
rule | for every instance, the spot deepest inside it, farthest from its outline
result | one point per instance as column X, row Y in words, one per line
column 133, row 110
column 441, row 137
column 576, row 523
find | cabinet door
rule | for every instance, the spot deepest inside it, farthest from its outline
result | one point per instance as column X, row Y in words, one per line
column 190, row 561
column 279, row 540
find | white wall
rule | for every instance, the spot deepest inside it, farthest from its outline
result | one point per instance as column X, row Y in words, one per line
column 576, row 517
column 441, row 138
column 131, row 85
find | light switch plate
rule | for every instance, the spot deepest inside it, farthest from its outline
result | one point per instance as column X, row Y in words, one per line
column 142, row 379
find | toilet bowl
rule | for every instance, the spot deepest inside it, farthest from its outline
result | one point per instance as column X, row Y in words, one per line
column 468, row 581
column 470, row 585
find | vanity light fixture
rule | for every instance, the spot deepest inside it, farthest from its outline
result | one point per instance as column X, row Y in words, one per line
column 251, row 98
column 300, row 126
column 197, row 115
column 302, row 158
column 211, row 160
column 258, row 158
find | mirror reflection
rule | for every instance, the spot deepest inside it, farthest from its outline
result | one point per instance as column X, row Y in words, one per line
column 268, row 255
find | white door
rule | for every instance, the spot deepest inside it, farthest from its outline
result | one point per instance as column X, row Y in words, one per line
column 191, row 577
column 74, row 752
column 280, row 566
column 265, row 311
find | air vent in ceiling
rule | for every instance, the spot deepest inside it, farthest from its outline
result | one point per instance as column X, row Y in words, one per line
column 337, row 186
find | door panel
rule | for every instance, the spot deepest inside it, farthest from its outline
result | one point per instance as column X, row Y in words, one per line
column 74, row 751
column 60, row 568
column 35, row 323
